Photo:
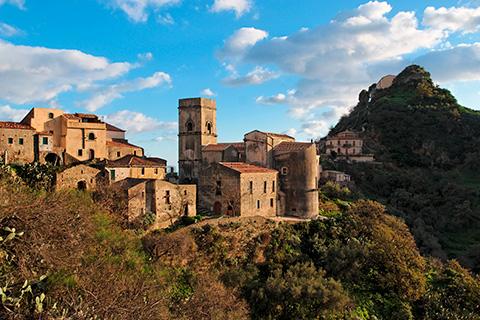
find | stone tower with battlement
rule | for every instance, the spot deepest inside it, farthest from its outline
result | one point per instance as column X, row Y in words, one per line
column 197, row 127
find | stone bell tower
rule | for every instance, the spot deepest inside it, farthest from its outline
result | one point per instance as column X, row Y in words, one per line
column 197, row 127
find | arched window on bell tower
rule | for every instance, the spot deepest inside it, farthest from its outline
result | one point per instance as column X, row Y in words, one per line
column 209, row 128
column 189, row 126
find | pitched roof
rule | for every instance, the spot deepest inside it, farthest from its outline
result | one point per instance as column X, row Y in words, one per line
column 132, row 160
column 86, row 115
column 44, row 134
column 159, row 160
column 121, row 144
column 15, row 125
column 113, row 128
column 292, row 146
column 279, row 135
column 220, row 146
column 70, row 116
column 247, row 167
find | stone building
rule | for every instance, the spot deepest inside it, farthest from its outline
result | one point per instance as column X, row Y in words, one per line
column 167, row 201
column 197, row 128
column 17, row 142
column 76, row 137
column 238, row 189
column 80, row 177
column 231, row 177
column 347, row 145
column 131, row 166
column 340, row 178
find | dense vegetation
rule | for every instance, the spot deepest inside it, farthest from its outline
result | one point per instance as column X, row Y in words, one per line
column 430, row 149
column 63, row 256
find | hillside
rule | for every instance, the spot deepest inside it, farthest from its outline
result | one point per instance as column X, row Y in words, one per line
column 64, row 256
column 430, row 149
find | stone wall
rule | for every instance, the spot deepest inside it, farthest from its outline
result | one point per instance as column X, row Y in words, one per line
column 80, row 176
column 19, row 144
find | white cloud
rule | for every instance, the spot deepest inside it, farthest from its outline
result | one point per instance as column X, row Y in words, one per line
column 315, row 128
column 241, row 40
column 462, row 19
column 9, row 31
column 290, row 132
column 239, row 6
column 9, row 114
column 276, row 99
column 138, row 10
column 208, row 92
column 255, row 77
column 18, row 3
column 158, row 139
column 166, row 19
column 110, row 93
column 135, row 122
column 38, row 74
column 461, row 63
column 145, row 56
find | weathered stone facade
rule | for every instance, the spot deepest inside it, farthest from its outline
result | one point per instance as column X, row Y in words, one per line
column 17, row 142
column 80, row 176
column 131, row 166
column 197, row 127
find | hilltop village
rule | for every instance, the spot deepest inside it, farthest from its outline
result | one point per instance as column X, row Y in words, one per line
column 267, row 174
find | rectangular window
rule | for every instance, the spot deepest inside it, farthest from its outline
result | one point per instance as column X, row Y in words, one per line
column 251, row 187
column 112, row 174
column 45, row 140
column 258, row 204
column 51, row 132
column 167, row 196
column 185, row 192
column 80, row 152
column 271, row 202
column 20, row 141
column 265, row 187
column 156, row 171
column 118, row 153
column 134, row 153
column 143, row 171
column 10, row 140
column 218, row 189
column 141, row 211
column 273, row 186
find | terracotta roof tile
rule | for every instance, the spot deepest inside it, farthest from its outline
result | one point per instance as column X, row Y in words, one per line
column 70, row 116
column 159, row 160
column 44, row 134
column 86, row 115
column 14, row 125
column 280, row 135
column 220, row 146
column 132, row 160
column 113, row 128
column 247, row 167
column 121, row 144
column 292, row 146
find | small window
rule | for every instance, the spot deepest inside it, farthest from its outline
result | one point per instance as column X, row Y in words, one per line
column 80, row 152
column 209, row 128
column 91, row 136
column 271, row 202
column 273, row 186
column 265, row 187
column 112, row 174
column 143, row 194
column 50, row 115
column 185, row 192
column 156, row 171
column 51, row 131
column 20, row 141
column 258, row 204
column 134, row 153
column 284, row 171
column 10, row 140
column 251, row 187
column 141, row 210
column 189, row 126
column 143, row 171
column 45, row 140
column 118, row 153
column 218, row 189
column 167, row 197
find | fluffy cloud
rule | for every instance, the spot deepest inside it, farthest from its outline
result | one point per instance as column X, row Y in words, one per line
column 9, row 114
column 136, row 122
column 110, row 93
column 137, row 10
column 239, row 6
column 462, row 19
column 207, row 92
column 257, row 76
column 18, row 3
column 461, row 63
column 242, row 39
column 9, row 31
column 38, row 75
column 290, row 132
column 276, row 99
column 314, row 129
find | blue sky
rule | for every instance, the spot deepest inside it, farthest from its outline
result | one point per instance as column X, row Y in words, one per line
column 281, row 66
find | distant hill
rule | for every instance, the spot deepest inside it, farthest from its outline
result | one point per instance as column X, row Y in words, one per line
column 430, row 147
